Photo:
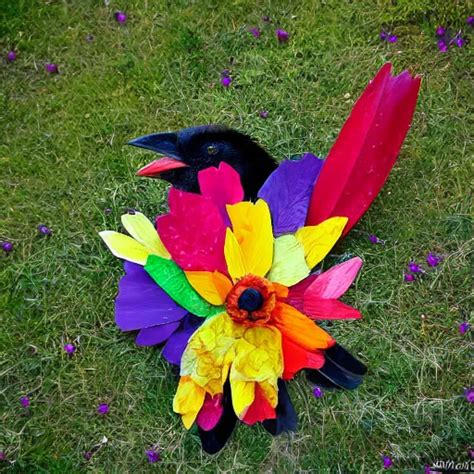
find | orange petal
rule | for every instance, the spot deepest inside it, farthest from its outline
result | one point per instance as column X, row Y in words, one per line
column 212, row 286
column 281, row 290
column 299, row 329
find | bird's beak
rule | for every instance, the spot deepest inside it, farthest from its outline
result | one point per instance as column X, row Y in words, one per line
column 165, row 144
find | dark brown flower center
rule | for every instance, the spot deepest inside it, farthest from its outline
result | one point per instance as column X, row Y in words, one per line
column 251, row 301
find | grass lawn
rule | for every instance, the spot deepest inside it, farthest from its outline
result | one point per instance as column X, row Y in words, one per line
column 64, row 163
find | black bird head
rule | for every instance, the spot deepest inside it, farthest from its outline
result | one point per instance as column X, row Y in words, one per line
column 190, row 150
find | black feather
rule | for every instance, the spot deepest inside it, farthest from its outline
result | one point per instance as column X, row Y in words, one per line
column 214, row 440
column 286, row 419
column 340, row 370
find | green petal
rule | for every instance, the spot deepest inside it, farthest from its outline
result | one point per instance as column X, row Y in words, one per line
column 173, row 280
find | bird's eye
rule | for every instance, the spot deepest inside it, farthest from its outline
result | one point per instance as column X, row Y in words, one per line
column 212, row 150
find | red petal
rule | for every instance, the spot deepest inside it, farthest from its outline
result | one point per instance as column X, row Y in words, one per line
column 222, row 185
column 296, row 358
column 193, row 232
column 334, row 282
column 320, row 308
column 260, row 409
column 211, row 412
column 364, row 153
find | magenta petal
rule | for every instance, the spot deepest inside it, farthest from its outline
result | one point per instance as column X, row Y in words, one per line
column 156, row 334
column 336, row 281
column 141, row 303
column 320, row 308
column 296, row 293
column 211, row 412
column 288, row 191
column 222, row 185
column 178, row 341
column 193, row 232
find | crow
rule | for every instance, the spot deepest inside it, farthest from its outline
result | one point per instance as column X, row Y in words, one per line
column 352, row 175
column 193, row 149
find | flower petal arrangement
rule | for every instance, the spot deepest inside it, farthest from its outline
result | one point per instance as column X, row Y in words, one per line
column 227, row 285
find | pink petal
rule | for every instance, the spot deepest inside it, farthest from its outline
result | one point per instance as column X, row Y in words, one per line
column 320, row 308
column 336, row 281
column 211, row 412
column 221, row 185
column 193, row 232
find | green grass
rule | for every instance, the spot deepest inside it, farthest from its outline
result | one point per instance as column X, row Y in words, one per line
column 63, row 161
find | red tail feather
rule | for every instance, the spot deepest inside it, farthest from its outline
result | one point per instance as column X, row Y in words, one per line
column 365, row 151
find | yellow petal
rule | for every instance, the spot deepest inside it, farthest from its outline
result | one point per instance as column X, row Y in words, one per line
column 270, row 390
column 212, row 286
column 123, row 246
column 289, row 265
column 243, row 394
column 209, row 353
column 318, row 240
column 233, row 256
column 258, row 358
column 252, row 226
column 188, row 400
column 142, row 230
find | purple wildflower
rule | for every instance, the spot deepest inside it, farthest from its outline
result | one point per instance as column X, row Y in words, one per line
column 51, row 68
column 414, row 268
column 442, row 46
column 433, row 260
column 459, row 41
column 440, row 31
column 387, row 462
column 120, row 17
column 44, row 230
column 255, row 32
column 103, row 409
column 87, row 455
column 3, row 456
column 282, row 35
column 409, row 277
column 317, row 392
column 153, row 456
column 226, row 81
column 470, row 20
column 469, row 394
column 11, row 56
column 427, row 469
column 7, row 247
column 392, row 38
column 375, row 240
column 470, row 452
column 263, row 114
column 25, row 402
column 69, row 348
column 464, row 327
column 383, row 35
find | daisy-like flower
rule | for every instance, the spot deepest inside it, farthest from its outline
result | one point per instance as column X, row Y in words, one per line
column 243, row 271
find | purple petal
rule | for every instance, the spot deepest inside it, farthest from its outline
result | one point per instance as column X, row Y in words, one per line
column 178, row 341
column 141, row 303
column 288, row 191
column 156, row 334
